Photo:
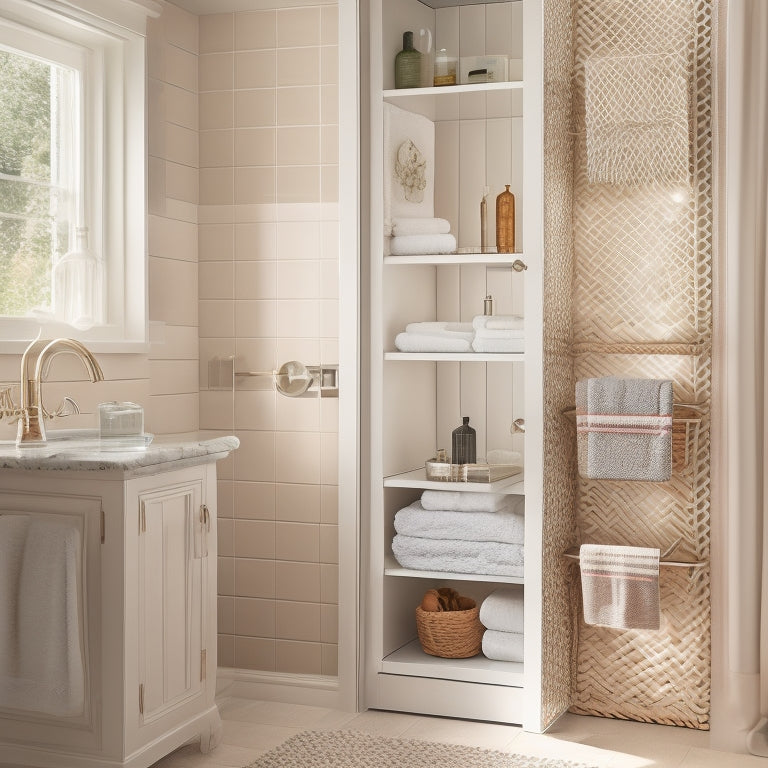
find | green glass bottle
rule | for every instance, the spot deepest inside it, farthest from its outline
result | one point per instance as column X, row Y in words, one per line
column 408, row 64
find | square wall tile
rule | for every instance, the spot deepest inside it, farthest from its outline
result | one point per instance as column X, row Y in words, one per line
column 225, row 650
column 255, row 184
column 297, row 658
column 329, row 504
column 225, row 615
column 298, row 414
column 298, row 581
column 329, row 184
column 254, row 653
column 329, row 104
column 216, row 318
column 329, row 65
column 298, row 106
column 254, row 539
column 298, row 503
column 210, row 348
column 329, row 583
column 299, row 239
column 172, row 239
column 298, row 27
column 254, row 617
column 329, row 144
column 329, row 544
column 255, row 458
column 172, row 414
column 256, row 354
column 172, row 377
column 297, row 66
column 226, row 575
column 256, row 319
column 216, row 410
column 298, row 317
column 181, row 183
column 255, row 29
column 173, row 291
column 180, row 27
column 216, row 279
column 297, row 457
column 329, row 414
column 330, row 660
column 298, row 279
column 298, row 145
column 254, row 501
column 225, row 499
column 256, row 279
column 254, row 578
column 297, row 542
column 298, row 621
column 217, row 110
column 181, row 145
column 298, row 349
column 216, row 186
column 217, row 32
column 298, row 184
column 329, row 452
column 216, row 242
column 329, row 24
column 216, row 72
column 329, row 318
column 256, row 241
column 255, row 410
column 329, row 623
column 329, row 240
column 255, row 108
column 181, row 106
column 180, row 68
column 226, row 533
column 255, row 69
column 255, row 146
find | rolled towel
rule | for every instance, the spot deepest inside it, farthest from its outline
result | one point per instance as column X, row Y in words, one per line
column 507, row 526
column 416, row 342
column 498, row 345
column 502, row 610
column 489, row 558
column 498, row 322
column 420, row 226
column 415, row 245
column 449, row 330
column 458, row 501
column 503, row 646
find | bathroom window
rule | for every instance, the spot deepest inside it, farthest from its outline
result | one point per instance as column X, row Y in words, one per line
column 72, row 178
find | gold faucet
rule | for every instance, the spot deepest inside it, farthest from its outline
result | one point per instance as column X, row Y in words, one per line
column 31, row 429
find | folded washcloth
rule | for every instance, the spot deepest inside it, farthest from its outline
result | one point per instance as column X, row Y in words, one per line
column 498, row 322
column 503, row 456
column 620, row 586
column 498, row 345
column 624, row 429
column 458, row 501
column 503, row 646
column 489, row 558
column 502, row 610
column 419, row 226
column 415, row 245
column 417, row 342
column 449, row 330
column 507, row 526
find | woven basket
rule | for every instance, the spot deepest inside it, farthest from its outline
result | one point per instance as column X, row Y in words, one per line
column 450, row 634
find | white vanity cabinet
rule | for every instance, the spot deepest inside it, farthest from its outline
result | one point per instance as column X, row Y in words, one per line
column 147, row 605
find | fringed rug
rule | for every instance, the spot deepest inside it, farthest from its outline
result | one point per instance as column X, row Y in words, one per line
column 353, row 749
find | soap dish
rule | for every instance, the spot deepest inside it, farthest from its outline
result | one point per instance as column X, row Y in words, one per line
column 126, row 442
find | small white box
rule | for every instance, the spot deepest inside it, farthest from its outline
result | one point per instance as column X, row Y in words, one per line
column 484, row 69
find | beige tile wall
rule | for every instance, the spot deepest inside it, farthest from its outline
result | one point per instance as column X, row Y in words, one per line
column 268, row 271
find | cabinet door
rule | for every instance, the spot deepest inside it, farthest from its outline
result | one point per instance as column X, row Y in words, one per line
column 171, row 558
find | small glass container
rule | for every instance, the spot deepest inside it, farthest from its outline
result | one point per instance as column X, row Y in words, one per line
column 445, row 68
column 464, row 444
column 120, row 420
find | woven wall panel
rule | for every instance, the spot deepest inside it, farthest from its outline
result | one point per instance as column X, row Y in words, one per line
column 642, row 307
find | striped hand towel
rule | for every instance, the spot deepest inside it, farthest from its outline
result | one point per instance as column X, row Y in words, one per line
column 620, row 586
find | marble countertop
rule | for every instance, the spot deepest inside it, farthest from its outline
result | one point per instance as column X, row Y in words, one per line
column 83, row 453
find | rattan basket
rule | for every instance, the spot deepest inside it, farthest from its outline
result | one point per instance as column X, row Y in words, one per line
column 450, row 634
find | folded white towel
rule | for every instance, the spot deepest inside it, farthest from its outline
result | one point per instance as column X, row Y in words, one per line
column 507, row 526
column 420, row 226
column 489, row 558
column 498, row 322
column 503, row 456
column 449, row 330
column 416, row 342
column 502, row 610
column 458, row 501
column 487, row 333
column 503, row 646
column 498, row 345
column 415, row 245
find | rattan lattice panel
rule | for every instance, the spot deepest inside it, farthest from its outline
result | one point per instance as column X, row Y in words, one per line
column 642, row 307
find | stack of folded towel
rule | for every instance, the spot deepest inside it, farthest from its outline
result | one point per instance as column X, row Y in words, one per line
column 501, row 613
column 498, row 333
column 435, row 337
column 459, row 532
column 413, row 236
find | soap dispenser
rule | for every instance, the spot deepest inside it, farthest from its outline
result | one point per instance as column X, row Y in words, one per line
column 464, row 444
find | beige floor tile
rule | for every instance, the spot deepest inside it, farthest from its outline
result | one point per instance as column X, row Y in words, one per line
column 468, row 733
column 708, row 758
column 383, row 723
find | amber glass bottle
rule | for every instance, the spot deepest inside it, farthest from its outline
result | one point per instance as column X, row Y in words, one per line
column 505, row 222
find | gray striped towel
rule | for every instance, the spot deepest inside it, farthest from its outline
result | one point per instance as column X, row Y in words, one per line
column 620, row 586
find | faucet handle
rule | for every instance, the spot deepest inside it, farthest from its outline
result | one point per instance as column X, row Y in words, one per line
column 67, row 407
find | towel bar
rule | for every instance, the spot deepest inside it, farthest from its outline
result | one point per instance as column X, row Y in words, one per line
column 573, row 554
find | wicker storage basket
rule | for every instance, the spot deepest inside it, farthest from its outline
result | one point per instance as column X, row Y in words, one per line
column 450, row 634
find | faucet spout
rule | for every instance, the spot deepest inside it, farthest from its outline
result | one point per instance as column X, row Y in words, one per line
column 31, row 429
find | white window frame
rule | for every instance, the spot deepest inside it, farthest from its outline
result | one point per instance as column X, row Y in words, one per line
column 105, row 41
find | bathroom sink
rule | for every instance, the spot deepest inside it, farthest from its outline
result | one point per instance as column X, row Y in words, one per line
column 82, row 440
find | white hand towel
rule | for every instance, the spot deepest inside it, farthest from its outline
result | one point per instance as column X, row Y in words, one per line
column 498, row 322
column 505, row 526
column 503, row 646
column 620, row 586
column 415, row 342
column 449, row 330
column 420, row 226
column 472, row 501
column 416, row 245
column 502, row 610
column 13, row 536
column 489, row 558
column 498, row 345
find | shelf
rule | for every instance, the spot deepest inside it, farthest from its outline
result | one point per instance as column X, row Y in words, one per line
column 412, row 573
column 458, row 357
column 417, row 478
column 451, row 90
column 509, row 260
column 412, row 661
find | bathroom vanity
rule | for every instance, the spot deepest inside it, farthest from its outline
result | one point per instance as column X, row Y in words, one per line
column 141, row 629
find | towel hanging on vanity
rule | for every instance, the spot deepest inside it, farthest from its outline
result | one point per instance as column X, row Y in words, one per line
column 620, row 586
column 624, row 429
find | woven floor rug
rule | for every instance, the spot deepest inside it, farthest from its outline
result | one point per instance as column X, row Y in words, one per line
column 352, row 749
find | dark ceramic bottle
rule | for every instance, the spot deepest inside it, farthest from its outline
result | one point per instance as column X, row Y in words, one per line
column 464, row 444
column 408, row 64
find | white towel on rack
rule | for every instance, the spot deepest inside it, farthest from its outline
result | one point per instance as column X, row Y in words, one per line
column 502, row 610
column 503, row 646
column 472, row 501
column 498, row 345
column 420, row 226
column 620, row 586
column 504, row 525
column 447, row 329
column 489, row 558
column 416, row 245
column 417, row 342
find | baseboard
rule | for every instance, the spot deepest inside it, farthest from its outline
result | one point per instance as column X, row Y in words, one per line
column 312, row 690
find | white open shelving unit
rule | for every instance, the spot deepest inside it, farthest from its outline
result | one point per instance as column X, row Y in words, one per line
column 416, row 399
